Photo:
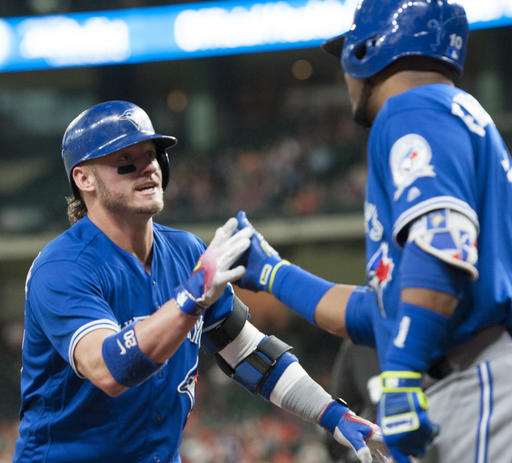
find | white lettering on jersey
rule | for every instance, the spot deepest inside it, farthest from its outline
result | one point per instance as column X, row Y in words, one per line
column 373, row 227
column 403, row 331
column 194, row 335
column 409, row 160
column 475, row 117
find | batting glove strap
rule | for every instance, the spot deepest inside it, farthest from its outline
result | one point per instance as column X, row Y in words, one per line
column 406, row 428
column 186, row 302
column 400, row 381
column 188, row 296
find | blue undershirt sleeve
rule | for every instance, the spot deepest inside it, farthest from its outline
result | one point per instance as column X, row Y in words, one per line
column 418, row 269
column 358, row 316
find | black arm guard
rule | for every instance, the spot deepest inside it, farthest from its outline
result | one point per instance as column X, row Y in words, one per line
column 215, row 339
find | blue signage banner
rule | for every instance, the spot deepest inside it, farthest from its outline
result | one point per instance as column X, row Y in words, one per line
column 191, row 30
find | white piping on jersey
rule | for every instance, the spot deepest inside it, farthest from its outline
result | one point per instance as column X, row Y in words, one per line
column 439, row 202
column 484, row 374
column 82, row 331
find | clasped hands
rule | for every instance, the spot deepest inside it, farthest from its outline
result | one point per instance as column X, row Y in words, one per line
column 238, row 253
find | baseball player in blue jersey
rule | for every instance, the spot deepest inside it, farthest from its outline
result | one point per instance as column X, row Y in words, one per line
column 117, row 307
column 438, row 231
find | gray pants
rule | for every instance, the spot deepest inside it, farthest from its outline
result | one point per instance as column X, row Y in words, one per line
column 473, row 405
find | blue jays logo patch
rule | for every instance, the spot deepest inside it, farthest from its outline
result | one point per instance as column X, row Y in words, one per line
column 379, row 272
column 188, row 385
column 409, row 160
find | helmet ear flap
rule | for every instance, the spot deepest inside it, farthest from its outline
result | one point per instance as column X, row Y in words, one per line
column 163, row 160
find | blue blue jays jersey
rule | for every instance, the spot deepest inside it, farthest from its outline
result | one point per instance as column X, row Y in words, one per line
column 431, row 148
column 80, row 282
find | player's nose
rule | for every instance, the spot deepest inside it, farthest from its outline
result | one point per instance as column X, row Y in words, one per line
column 150, row 165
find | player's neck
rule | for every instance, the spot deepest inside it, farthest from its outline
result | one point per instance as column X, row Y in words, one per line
column 135, row 236
column 400, row 83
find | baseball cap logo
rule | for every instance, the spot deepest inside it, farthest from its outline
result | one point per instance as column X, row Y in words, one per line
column 139, row 120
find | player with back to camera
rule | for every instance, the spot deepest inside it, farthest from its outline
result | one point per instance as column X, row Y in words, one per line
column 439, row 261
column 117, row 306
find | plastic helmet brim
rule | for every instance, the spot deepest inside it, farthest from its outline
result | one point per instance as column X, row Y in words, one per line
column 334, row 46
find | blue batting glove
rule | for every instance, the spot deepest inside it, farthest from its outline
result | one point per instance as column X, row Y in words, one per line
column 406, row 428
column 350, row 430
column 261, row 260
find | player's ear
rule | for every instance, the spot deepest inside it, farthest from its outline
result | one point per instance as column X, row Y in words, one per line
column 84, row 179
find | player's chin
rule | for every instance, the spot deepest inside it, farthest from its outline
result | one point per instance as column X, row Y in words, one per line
column 150, row 206
column 149, row 210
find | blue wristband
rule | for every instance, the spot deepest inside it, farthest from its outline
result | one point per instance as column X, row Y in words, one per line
column 299, row 290
column 127, row 364
column 419, row 336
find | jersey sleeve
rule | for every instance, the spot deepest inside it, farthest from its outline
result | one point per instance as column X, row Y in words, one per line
column 67, row 301
column 428, row 163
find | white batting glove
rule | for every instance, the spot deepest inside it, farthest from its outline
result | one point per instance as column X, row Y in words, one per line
column 212, row 272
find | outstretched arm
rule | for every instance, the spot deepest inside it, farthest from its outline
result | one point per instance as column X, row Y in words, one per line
column 264, row 365
column 319, row 301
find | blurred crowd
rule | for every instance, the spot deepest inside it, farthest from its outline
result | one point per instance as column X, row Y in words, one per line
column 258, row 439
column 271, row 438
column 315, row 166
column 289, row 177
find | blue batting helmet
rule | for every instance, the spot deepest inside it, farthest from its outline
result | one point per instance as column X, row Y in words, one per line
column 108, row 127
column 386, row 30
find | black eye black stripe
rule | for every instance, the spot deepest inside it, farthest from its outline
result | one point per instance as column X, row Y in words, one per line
column 126, row 169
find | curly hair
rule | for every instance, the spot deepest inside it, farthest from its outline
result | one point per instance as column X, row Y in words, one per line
column 76, row 208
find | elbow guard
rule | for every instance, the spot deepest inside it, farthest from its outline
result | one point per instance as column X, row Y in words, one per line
column 253, row 371
column 241, row 351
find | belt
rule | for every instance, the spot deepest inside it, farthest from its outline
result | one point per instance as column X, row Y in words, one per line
column 486, row 345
